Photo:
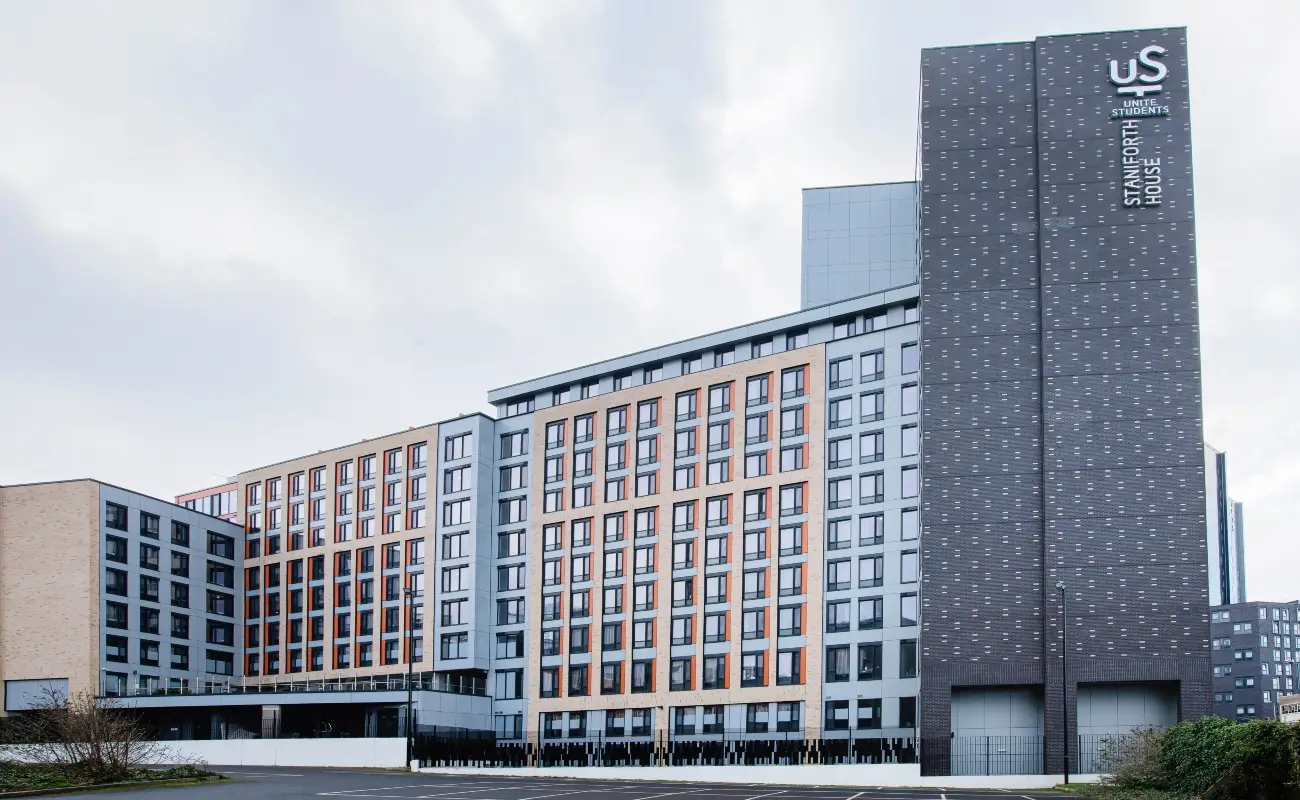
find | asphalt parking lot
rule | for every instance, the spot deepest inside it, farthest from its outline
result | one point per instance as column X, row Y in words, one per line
column 276, row 784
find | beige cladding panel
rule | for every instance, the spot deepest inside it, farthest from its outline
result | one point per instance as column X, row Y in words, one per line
column 329, row 459
column 49, row 583
column 810, row 690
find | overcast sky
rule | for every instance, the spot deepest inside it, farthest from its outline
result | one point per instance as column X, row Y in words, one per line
column 232, row 233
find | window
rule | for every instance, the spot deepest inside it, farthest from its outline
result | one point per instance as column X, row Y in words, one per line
column 789, row 620
column 720, row 436
column 756, row 465
column 511, row 577
column 715, row 588
column 791, row 540
column 792, row 500
column 642, row 681
column 844, row 328
column 684, row 554
column 652, row 373
column 871, row 571
column 909, row 566
column 791, row 580
column 907, row 658
column 683, row 517
column 683, row 592
column 115, row 549
column 720, row 398
column 910, row 358
column 616, row 456
column 788, row 669
column 755, row 584
column 838, row 616
column 869, row 664
column 580, row 639
column 644, row 522
column 679, row 679
column 686, row 405
column 873, row 366
column 754, row 624
column 717, row 511
column 149, row 588
column 518, row 405
column 910, row 482
column 512, row 511
column 911, row 440
column 719, row 471
column 715, row 550
column 910, row 398
column 756, row 391
column 115, row 516
column 584, row 428
column 908, row 610
column 910, row 523
column 221, row 545
column 616, row 421
column 792, row 383
column 514, row 444
column 684, row 477
column 180, row 534
column 644, row 560
column 455, row 579
column 580, row 532
column 683, row 630
column 792, row 458
column 841, row 412
column 613, row 564
column 839, row 493
column 149, row 523
column 643, row 632
column 756, row 429
column 589, row 390
column 453, row 645
column 580, row 603
column 115, row 648
column 647, row 414
column 871, row 529
column 839, row 575
column 796, row 339
column 839, row 534
column 871, row 487
column 871, row 406
column 513, row 477
column 839, row 452
column 839, row 373
column 755, row 545
column 792, row 422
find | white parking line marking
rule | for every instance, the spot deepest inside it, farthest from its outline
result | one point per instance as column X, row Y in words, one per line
column 859, row 794
column 266, row 774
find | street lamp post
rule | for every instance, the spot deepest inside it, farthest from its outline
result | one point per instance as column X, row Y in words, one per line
column 410, row 674
column 1065, row 703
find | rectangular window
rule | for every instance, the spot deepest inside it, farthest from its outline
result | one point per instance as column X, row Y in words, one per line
column 837, row 669
column 839, row 373
column 908, row 610
column 839, row 493
column 871, row 406
column 910, row 482
column 791, row 580
column 616, row 421
column 756, row 465
column 757, row 392
column 873, row 366
column 756, row 429
column 907, row 658
column 788, row 668
column 683, row 517
column 911, row 358
column 869, row 662
column 871, row 487
column 514, row 444
column 910, row 402
column 792, row 420
column 792, row 458
column 115, row 516
column 909, row 562
column 871, row 571
column 792, row 383
column 647, row 414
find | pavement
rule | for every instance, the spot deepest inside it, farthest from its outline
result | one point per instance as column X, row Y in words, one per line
column 271, row 783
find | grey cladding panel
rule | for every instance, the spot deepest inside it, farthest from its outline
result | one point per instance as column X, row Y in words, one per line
column 966, row 263
column 979, row 75
column 1078, row 399
column 1065, row 118
column 1075, row 64
column 1124, row 443
column 1119, row 304
column 981, row 498
column 1130, row 252
column 1172, row 348
column 1073, row 494
column 975, row 128
column 980, row 405
column 1102, row 541
column 978, row 213
column 984, row 451
column 981, row 313
column 979, row 358
column 994, row 169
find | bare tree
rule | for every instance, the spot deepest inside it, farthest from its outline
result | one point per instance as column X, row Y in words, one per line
column 94, row 740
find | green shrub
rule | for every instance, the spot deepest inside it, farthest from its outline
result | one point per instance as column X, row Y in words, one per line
column 1210, row 758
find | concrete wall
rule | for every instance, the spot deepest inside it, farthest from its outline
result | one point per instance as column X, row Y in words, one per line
column 380, row 753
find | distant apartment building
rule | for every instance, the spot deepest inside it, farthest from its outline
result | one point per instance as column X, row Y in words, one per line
column 148, row 596
column 1255, row 658
column 1289, row 706
column 216, row 501
column 1225, row 533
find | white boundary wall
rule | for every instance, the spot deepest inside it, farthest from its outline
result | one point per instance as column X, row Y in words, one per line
column 383, row 753
column 874, row 775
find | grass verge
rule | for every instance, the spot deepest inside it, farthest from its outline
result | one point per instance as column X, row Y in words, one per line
column 32, row 777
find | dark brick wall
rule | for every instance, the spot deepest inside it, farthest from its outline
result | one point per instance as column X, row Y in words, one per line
column 1061, row 404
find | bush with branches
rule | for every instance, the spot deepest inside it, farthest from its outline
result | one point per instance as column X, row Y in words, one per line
column 89, row 740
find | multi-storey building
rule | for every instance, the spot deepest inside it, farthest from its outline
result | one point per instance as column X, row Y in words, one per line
column 1255, row 658
column 1289, row 706
column 1225, row 533
column 334, row 560
column 864, row 515
column 720, row 533
column 147, row 599
column 216, row 501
